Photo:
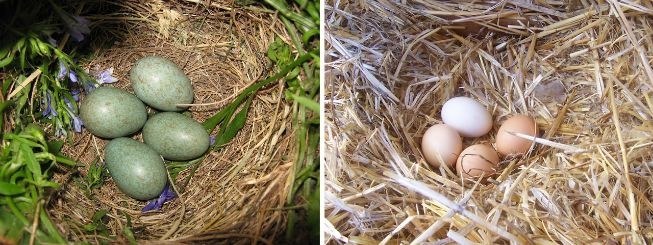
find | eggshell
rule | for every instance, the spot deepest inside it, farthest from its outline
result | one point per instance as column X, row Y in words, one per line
column 508, row 144
column 476, row 160
column 109, row 112
column 467, row 116
column 441, row 144
column 136, row 168
column 175, row 136
column 161, row 84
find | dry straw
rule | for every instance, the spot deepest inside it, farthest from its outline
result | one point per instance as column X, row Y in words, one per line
column 581, row 68
column 238, row 193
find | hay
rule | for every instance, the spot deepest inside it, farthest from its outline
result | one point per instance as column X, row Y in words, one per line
column 581, row 68
column 237, row 194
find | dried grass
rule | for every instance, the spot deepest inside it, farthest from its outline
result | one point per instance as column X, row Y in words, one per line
column 236, row 194
column 581, row 68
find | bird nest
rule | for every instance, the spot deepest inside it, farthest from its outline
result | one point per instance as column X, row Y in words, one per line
column 581, row 69
column 236, row 193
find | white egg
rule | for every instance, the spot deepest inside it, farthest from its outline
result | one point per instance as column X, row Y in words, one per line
column 467, row 116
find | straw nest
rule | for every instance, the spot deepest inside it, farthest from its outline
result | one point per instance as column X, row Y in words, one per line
column 236, row 194
column 581, row 68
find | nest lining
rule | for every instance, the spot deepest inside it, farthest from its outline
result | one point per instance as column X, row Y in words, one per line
column 582, row 69
column 236, row 194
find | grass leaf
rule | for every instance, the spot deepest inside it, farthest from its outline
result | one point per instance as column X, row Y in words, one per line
column 234, row 126
column 304, row 101
column 9, row 189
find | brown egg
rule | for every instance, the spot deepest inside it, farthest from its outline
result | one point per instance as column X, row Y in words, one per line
column 508, row 144
column 441, row 144
column 476, row 160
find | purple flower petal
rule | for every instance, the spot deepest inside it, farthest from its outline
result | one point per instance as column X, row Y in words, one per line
column 49, row 111
column 63, row 70
column 212, row 140
column 73, row 76
column 68, row 103
column 77, row 124
column 78, row 28
column 106, row 76
column 75, row 94
column 154, row 205
column 90, row 86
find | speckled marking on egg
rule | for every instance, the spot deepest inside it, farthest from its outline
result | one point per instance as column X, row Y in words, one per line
column 161, row 84
column 109, row 112
column 137, row 169
column 175, row 136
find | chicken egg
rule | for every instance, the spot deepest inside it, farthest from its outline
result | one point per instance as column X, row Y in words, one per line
column 477, row 160
column 441, row 144
column 508, row 144
column 467, row 116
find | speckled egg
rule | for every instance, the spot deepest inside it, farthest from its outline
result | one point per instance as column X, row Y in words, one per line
column 161, row 84
column 109, row 112
column 136, row 168
column 175, row 136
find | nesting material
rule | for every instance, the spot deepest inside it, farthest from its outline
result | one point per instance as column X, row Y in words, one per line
column 237, row 194
column 582, row 69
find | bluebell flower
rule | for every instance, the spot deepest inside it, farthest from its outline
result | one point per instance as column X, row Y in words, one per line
column 103, row 77
column 167, row 195
column 75, row 94
column 90, row 86
column 49, row 111
column 106, row 76
column 73, row 76
column 70, row 105
column 63, row 71
column 77, row 124
column 77, row 27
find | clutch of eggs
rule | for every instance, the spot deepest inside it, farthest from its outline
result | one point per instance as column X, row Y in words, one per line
column 463, row 116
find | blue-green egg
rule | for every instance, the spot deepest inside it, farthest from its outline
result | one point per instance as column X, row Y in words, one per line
column 136, row 168
column 161, row 84
column 109, row 112
column 175, row 136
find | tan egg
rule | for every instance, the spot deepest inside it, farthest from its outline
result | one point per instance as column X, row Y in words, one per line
column 441, row 144
column 476, row 160
column 508, row 144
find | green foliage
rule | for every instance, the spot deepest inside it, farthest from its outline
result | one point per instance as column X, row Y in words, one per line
column 94, row 178
column 97, row 226
column 127, row 230
column 302, row 88
column 25, row 49
column 26, row 166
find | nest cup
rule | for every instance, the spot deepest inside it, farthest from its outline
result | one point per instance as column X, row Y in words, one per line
column 237, row 193
column 582, row 71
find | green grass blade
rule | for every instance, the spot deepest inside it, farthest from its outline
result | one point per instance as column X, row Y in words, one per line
column 304, row 101
column 9, row 189
column 49, row 227
column 5, row 104
column 215, row 120
column 234, row 126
